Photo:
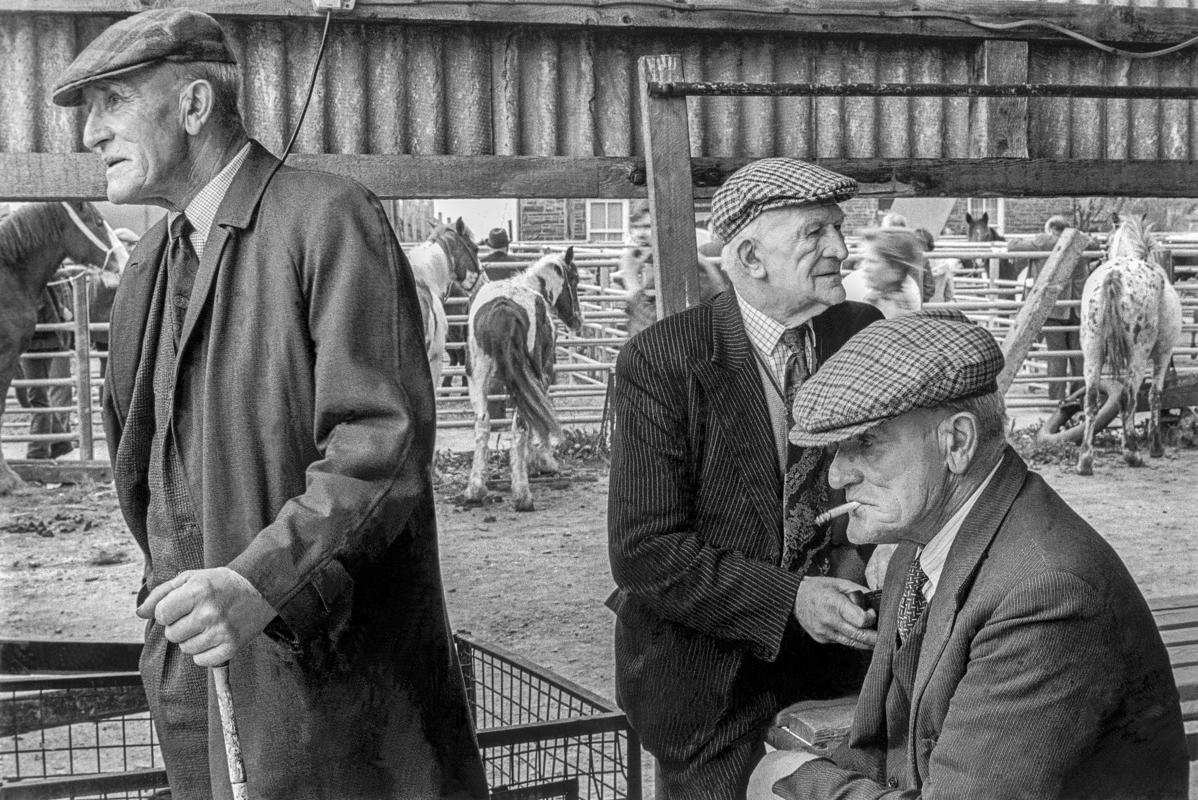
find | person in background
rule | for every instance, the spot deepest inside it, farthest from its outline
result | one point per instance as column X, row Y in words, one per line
column 1016, row 657
column 731, row 603
column 889, row 273
column 269, row 414
column 499, row 264
column 1061, row 316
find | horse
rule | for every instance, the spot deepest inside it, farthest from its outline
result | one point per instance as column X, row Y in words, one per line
column 511, row 338
column 449, row 255
column 34, row 240
column 978, row 229
column 1130, row 318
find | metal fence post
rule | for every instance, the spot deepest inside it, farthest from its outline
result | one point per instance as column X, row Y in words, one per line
column 83, row 366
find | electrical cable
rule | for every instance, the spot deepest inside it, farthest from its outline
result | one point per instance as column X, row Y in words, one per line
column 324, row 37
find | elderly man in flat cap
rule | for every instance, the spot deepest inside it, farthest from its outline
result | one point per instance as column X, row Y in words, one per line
column 731, row 602
column 1016, row 658
column 269, row 410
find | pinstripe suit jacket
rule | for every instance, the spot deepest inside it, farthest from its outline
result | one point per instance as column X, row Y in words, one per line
column 1041, row 674
column 706, row 648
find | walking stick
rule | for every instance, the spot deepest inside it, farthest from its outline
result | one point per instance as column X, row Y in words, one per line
column 228, row 727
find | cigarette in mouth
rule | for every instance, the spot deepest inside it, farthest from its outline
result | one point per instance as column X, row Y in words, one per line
column 839, row 511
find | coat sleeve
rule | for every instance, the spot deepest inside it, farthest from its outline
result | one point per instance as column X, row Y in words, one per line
column 373, row 420
column 1042, row 676
column 656, row 555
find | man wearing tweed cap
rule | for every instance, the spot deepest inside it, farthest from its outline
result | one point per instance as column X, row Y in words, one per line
column 731, row 602
column 269, row 411
column 1016, row 658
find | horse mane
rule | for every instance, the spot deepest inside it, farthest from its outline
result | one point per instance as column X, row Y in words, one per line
column 27, row 228
column 1133, row 238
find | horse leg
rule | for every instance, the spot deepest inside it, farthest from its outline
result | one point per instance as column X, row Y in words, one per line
column 518, row 457
column 1085, row 458
column 1127, row 407
column 9, row 480
column 476, row 487
column 541, row 459
column 1160, row 366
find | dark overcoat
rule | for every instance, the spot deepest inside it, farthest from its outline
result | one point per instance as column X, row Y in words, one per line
column 1041, row 673
column 303, row 414
column 707, row 649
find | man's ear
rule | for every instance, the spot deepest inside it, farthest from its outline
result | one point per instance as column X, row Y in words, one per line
column 196, row 101
column 959, row 441
column 746, row 253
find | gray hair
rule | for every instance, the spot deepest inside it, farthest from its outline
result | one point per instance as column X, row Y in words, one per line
column 226, row 88
column 1056, row 224
column 991, row 413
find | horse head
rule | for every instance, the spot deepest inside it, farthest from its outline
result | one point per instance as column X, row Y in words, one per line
column 88, row 239
column 461, row 250
column 977, row 229
column 558, row 276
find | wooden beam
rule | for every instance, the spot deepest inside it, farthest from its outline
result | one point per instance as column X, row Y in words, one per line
column 882, row 18
column 666, row 134
column 58, row 176
column 998, row 126
column 1030, row 319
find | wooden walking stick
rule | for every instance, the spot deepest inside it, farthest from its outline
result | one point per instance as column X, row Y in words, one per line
column 228, row 727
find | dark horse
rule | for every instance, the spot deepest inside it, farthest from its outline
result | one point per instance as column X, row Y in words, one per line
column 978, row 230
column 34, row 240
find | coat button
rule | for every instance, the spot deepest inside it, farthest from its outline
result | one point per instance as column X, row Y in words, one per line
column 892, row 783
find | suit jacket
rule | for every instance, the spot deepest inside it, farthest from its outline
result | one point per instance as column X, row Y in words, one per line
column 1041, row 674
column 303, row 416
column 706, row 648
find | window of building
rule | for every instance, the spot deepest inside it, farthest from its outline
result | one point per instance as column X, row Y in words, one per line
column 993, row 206
column 607, row 220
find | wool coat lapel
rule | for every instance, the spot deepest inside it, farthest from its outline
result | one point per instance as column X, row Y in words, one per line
column 130, row 315
column 964, row 557
column 733, row 386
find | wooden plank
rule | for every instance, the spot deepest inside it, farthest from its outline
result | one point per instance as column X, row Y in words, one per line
column 889, row 18
column 998, row 126
column 22, row 656
column 1187, row 682
column 1174, row 618
column 1179, row 637
column 666, row 135
column 85, row 785
column 42, row 471
column 57, row 176
column 1183, row 655
column 1031, row 317
column 1175, row 601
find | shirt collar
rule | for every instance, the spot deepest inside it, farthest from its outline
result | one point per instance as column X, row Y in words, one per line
column 764, row 332
column 935, row 552
column 201, row 211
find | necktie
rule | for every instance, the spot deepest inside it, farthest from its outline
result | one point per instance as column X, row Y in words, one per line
column 912, row 603
column 805, row 488
column 181, row 268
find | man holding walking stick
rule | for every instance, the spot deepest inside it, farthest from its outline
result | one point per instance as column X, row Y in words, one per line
column 269, row 412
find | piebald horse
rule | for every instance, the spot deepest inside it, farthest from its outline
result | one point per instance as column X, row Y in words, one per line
column 34, row 240
column 511, row 338
column 1130, row 318
column 448, row 256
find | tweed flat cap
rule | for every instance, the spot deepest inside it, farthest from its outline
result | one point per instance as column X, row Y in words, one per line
column 921, row 360
column 773, row 183
column 163, row 34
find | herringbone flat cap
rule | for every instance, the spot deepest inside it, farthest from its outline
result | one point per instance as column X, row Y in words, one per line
column 773, row 183
column 922, row 360
column 163, row 34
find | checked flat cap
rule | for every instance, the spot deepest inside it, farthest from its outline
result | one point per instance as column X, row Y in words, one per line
column 773, row 183
column 163, row 34
column 921, row 360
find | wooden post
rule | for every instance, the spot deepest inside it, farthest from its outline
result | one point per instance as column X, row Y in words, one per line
column 666, row 135
column 1029, row 320
column 83, row 367
column 998, row 126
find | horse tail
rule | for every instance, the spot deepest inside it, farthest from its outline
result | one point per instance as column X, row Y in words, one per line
column 501, row 330
column 1116, row 351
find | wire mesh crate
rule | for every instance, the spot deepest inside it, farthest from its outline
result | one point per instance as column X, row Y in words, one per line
column 90, row 735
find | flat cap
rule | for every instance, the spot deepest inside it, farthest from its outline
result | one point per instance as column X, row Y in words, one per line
column 773, row 183
column 921, row 360
column 162, row 34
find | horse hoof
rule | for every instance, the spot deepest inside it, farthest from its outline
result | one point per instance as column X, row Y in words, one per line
column 1157, row 452
column 473, row 496
column 524, row 504
column 1085, row 466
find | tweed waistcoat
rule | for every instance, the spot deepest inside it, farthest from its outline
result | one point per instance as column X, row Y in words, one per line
column 905, row 661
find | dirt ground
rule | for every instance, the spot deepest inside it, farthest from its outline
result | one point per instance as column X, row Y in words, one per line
column 532, row 582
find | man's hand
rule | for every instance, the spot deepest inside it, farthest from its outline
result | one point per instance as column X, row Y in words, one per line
column 827, row 615
column 209, row 613
column 774, row 767
column 875, row 570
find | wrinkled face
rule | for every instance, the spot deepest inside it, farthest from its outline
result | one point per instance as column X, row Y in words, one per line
column 801, row 250
column 135, row 124
column 899, row 475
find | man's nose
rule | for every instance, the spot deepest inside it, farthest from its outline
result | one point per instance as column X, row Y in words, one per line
column 95, row 132
column 841, row 472
column 836, row 247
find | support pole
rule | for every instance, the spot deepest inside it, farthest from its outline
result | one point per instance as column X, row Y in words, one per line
column 83, row 366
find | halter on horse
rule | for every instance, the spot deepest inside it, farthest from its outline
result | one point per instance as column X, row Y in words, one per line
column 979, row 230
column 448, row 256
column 512, row 339
column 1130, row 317
column 34, row 241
